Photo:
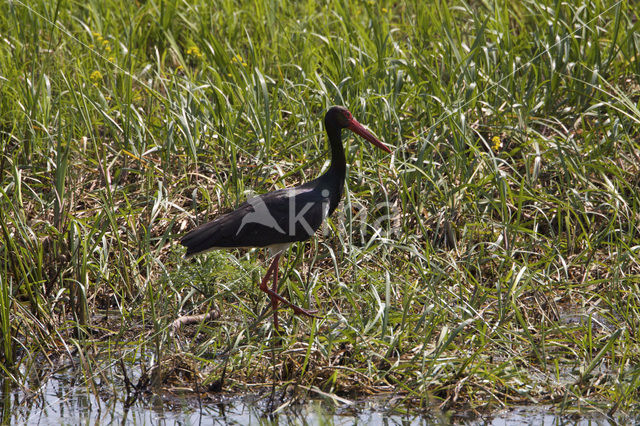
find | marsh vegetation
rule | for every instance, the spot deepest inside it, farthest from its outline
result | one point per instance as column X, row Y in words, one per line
column 492, row 260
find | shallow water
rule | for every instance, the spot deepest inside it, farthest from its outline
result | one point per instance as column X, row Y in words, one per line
column 60, row 401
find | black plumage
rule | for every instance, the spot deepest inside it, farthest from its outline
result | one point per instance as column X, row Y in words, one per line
column 279, row 218
column 275, row 218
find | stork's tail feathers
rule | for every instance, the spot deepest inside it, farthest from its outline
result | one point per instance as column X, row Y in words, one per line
column 201, row 239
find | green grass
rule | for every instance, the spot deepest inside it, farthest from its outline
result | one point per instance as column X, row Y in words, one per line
column 492, row 259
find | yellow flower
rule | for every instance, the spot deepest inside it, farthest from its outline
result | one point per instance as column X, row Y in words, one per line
column 95, row 34
column 195, row 52
column 111, row 58
column 96, row 76
column 384, row 10
column 237, row 59
column 497, row 143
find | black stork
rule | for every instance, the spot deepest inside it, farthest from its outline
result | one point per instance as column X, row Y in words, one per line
column 278, row 218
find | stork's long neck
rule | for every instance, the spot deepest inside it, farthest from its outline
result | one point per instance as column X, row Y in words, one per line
column 338, row 166
column 334, row 177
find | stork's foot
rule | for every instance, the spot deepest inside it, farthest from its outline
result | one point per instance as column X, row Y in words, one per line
column 276, row 298
column 296, row 309
column 306, row 312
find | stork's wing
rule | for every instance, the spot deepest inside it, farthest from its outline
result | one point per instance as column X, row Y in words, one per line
column 282, row 216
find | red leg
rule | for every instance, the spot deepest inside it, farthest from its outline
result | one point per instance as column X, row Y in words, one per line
column 263, row 283
column 274, row 301
column 275, row 297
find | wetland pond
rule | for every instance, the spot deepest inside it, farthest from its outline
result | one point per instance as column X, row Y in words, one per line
column 61, row 400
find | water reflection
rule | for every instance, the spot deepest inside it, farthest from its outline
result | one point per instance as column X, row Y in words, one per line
column 60, row 400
